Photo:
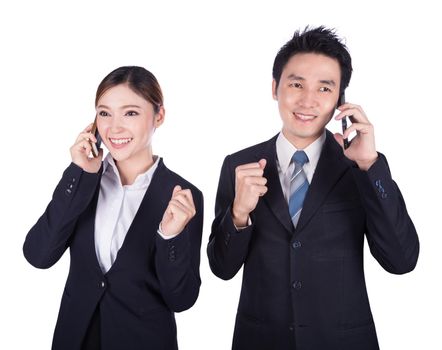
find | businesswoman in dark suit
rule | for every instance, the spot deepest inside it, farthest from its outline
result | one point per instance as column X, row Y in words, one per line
column 133, row 228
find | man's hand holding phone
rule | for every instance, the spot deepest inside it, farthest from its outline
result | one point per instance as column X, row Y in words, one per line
column 82, row 149
column 362, row 148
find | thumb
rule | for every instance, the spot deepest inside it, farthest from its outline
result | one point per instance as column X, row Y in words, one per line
column 339, row 139
column 100, row 154
column 176, row 189
column 262, row 163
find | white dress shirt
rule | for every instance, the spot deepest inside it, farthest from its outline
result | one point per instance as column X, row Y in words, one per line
column 116, row 209
column 284, row 153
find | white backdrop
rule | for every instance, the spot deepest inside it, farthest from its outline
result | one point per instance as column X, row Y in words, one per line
column 213, row 61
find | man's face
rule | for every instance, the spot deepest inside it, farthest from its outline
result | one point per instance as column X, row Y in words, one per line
column 307, row 95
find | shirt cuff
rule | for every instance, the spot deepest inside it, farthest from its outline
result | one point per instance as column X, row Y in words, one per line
column 249, row 222
column 164, row 236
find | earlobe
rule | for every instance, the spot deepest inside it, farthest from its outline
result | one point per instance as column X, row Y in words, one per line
column 159, row 117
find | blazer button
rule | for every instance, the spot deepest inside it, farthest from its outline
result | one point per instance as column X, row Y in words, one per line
column 68, row 191
column 102, row 284
column 381, row 189
column 296, row 244
column 297, row 285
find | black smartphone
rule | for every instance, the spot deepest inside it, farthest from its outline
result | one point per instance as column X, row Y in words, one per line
column 341, row 101
column 95, row 146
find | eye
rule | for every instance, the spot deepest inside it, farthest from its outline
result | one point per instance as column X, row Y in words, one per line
column 324, row 89
column 103, row 114
column 296, row 85
column 131, row 113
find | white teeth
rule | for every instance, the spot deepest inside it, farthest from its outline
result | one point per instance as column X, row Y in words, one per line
column 120, row 141
column 305, row 117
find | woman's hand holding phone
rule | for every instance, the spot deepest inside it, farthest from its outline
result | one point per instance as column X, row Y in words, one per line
column 81, row 150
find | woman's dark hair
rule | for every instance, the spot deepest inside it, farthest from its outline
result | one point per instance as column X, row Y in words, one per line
column 139, row 80
column 318, row 40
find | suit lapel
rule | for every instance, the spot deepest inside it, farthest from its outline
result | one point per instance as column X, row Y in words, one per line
column 153, row 204
column 274, row 196
column 331, row 166
column 89, row 219
column 149, row 213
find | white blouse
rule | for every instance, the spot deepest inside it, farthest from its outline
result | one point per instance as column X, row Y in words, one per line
column 116, row 209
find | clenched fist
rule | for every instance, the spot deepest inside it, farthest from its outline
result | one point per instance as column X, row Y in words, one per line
column 178, row 213
column 249, row 186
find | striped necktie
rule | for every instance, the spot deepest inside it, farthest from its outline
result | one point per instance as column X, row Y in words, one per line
column 298, row 186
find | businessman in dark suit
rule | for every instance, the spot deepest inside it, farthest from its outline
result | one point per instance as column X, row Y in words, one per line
column 294, row 211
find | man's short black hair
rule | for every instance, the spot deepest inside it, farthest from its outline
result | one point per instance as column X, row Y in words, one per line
column 318, row 40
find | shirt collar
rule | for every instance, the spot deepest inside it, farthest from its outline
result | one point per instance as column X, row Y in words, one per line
column 141, row 181
column 285, row 151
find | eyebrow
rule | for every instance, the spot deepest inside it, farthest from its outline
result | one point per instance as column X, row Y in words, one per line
column 295, row 77
column 122, row 107
column 329, row 82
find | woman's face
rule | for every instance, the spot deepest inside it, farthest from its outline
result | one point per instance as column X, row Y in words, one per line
column 126, row 122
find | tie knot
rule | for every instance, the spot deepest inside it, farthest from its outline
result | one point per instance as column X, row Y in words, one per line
column 300, row 158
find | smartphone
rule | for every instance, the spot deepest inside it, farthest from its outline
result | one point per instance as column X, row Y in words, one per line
column 341, row 101
column 95, row 146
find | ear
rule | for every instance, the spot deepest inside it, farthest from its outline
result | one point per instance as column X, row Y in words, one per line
column 341, row 99
column 159, row 117
column 274, row 88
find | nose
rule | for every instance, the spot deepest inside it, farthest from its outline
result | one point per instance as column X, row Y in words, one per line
column 116, row 123
column 308, row 98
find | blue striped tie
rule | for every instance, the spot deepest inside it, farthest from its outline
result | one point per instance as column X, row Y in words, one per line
column 298, row 186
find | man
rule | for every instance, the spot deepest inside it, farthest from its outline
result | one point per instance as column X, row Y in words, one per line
column 294, row 211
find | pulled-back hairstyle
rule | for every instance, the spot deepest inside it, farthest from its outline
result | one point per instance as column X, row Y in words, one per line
column 139, row 80
column 318, row 40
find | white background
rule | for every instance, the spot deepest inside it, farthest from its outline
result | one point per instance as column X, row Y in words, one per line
column 213, row 61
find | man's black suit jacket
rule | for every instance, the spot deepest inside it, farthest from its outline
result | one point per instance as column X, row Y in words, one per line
column 304, row 288
column 149, row 280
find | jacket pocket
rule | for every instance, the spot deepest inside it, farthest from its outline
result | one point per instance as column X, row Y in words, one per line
column 247, row 333
column 361, row 337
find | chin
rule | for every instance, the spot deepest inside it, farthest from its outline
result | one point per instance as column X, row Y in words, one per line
column 303, row 135
column 302, row 132
column 119, row 155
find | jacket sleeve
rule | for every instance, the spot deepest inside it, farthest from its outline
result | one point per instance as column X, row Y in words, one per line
column 227, row 249
column 49, row 237
column 177, row 261
column 391, row 235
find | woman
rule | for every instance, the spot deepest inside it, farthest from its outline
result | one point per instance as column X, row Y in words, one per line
column 133, row 228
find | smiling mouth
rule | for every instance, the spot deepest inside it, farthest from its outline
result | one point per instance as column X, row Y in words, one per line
column 304, row 117
column 120, row 141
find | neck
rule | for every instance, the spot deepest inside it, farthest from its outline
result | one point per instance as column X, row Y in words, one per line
column 138, row 164
column 301, row 143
